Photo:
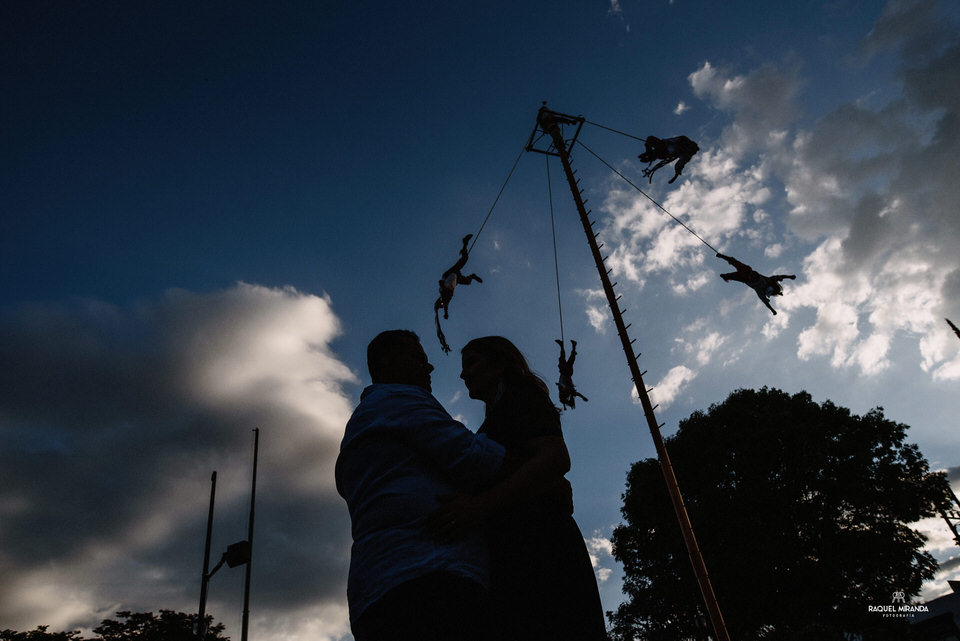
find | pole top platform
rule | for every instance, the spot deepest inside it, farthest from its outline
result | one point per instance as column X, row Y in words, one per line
column 546, row 120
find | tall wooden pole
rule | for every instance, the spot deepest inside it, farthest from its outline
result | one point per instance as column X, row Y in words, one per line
column 550, row 123
column 246, row 583
column 953, row 327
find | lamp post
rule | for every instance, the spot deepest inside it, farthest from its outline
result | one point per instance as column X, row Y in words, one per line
column 249, row 541
column 238, row 553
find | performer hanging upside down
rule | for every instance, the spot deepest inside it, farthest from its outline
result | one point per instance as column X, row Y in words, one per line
column 765, row 286
column 451, row 278
column 666, row 151
column 568, row 393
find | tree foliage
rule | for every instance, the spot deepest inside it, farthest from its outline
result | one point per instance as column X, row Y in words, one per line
column 40, row 634
column 129, row 626
column 801, row 511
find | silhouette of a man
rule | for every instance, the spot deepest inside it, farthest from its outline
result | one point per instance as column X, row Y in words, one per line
column 666, row 150
column 400, row 451
column 765, row 286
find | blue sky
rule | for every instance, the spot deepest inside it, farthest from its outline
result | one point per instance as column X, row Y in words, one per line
column 206, row 211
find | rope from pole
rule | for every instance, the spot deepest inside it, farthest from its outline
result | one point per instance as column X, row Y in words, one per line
column 648, row 197
column 495, row 200
column 622, row 133
column 556, row 261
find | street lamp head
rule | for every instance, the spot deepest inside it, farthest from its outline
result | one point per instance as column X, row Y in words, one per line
column 237, row 553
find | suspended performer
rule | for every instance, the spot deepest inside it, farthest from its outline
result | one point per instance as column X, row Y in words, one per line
column 451, row 278
column 666, row 150
column 568, row 392
column 765, row 286
column 547, row 118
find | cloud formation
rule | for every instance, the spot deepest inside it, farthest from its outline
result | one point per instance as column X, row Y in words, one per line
column 671, row 385
column 113, row 418
column 863, row 197
column 600, row 550
column 884, row 227
column 596, row 309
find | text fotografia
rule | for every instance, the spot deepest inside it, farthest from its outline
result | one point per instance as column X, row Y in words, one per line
column 898, row 611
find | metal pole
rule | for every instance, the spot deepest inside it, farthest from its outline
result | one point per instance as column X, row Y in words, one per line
column 548, row 122
column 253, row 495
column 201, row 629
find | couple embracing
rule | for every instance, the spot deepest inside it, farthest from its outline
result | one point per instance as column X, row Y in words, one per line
column 456, row 535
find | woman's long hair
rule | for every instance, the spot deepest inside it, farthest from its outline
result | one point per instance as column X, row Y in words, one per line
column 505, row 354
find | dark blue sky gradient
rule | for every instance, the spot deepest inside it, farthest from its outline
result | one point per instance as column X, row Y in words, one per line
column 196, row 144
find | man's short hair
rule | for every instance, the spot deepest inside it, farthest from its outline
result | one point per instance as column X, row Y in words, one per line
column 383, row 347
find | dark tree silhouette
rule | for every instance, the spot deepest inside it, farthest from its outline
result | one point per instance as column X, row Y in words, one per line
column 146, row 626
column 40, row 634
column 129, row 626
column 801, row 511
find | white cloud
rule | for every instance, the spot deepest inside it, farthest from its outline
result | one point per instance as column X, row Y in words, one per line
column 692, row 284
column 592, row 294
column 600, row 550
column 707, row 345
column 949, row 370
column 715, row 201
column 113, row 423
column 762, row 102
column 597, row 313
column 872, row 186
column 699, row 342
column 681, row 108
column 670, row 386
column 321, row 621
column 598, row 319
column 774, row 250
column 867, row 190
column 615, row 7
